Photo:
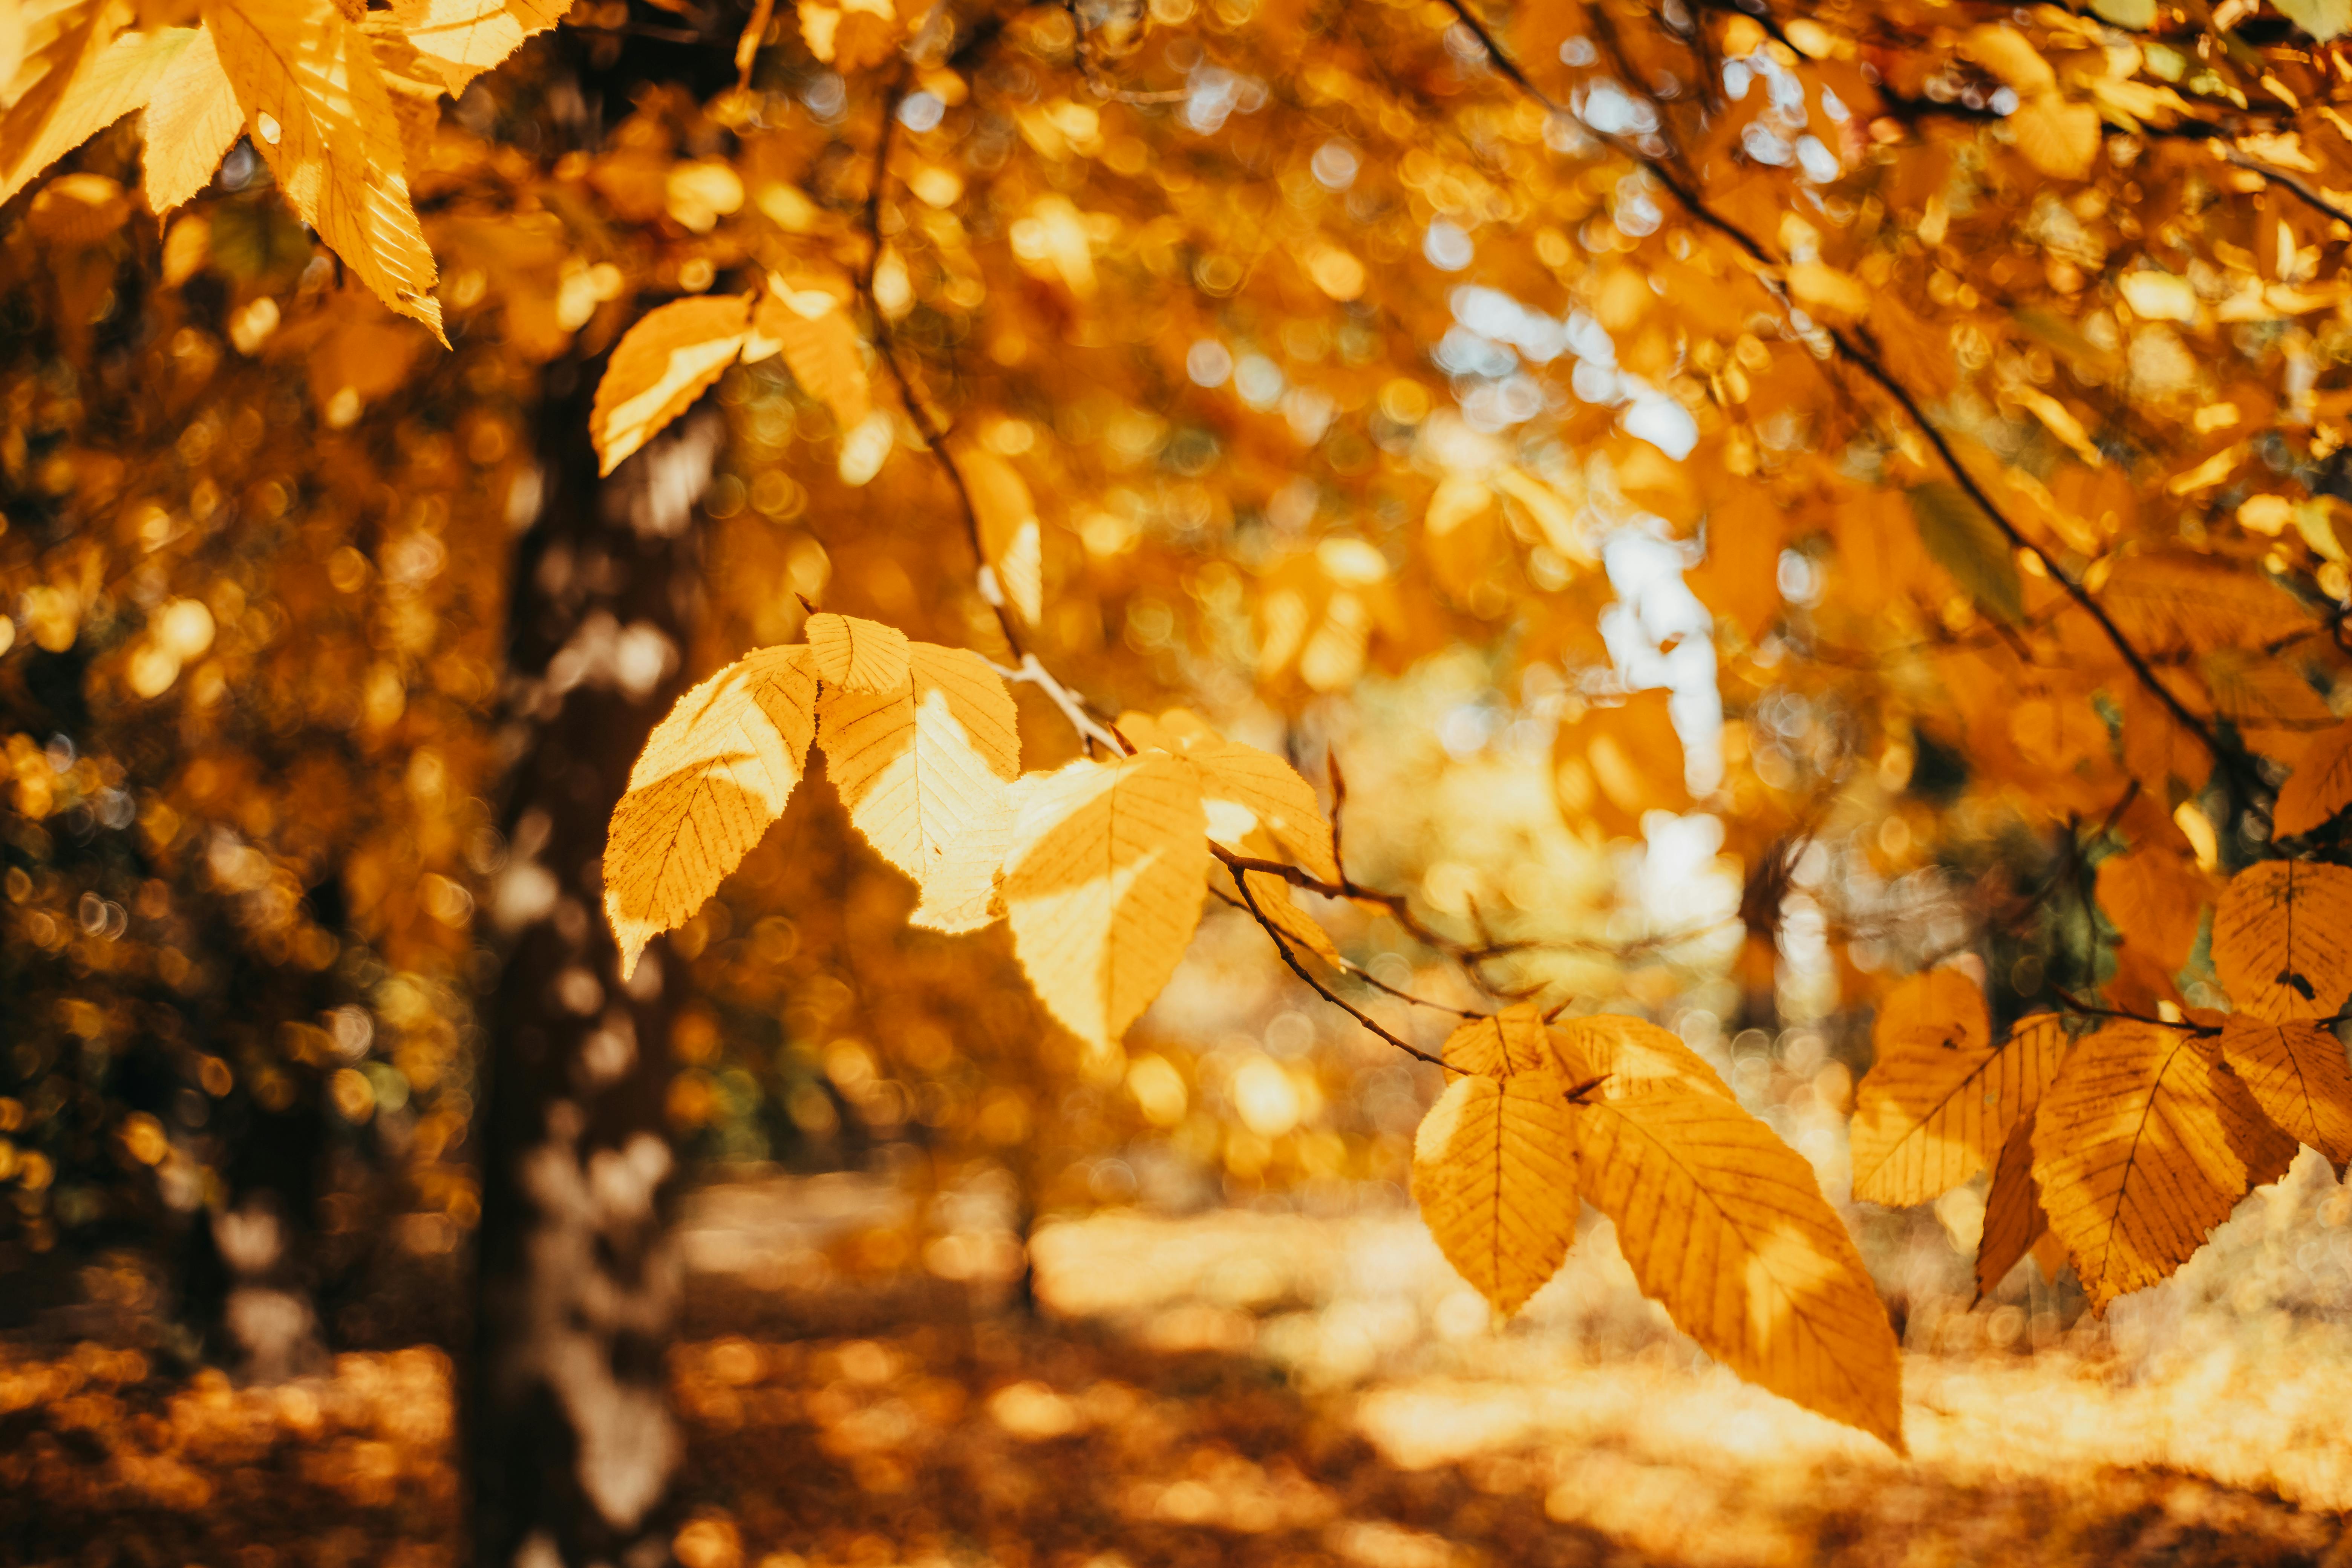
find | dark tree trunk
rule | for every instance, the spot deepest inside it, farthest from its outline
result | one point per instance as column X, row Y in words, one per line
column 569, row 1444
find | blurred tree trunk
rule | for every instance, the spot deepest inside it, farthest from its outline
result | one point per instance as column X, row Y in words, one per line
column 569, row 1444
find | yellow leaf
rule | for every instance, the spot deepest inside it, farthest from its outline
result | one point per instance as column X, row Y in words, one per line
column 413, row 83
column 1494, row 1170
column 12, row 44
column 1936, row 1104
column 713, row 776
column 1275, row 900
column 321, row 116
column 924, row 772
column 2320, row 786
column 1828, row 291
column 2179, row 604
column 2282, row 939
column 2006, row 53
column 88, row 89
column 2296, row 1073
column 1631, row 1056
column 1512, row 1041
column 1009, row 534
column 2156, row 896
column 193, row 121
column 860, row 656
column 820, row 348
column 1104, row 885
column 2059, row 138
column 1726, row 1227
column 463, row 38
column 662, row 365
column 2015, row 1223
column 2141, row 1147
column 1242, row 788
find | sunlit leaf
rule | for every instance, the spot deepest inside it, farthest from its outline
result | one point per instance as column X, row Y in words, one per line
column 1494, row 1170
column 2282, row 939
column 665, row 363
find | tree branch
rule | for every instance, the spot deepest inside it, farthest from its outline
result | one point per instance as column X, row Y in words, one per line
column 1856, row 353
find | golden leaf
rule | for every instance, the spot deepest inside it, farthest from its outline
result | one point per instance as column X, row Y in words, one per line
column 89, row 88
column 2140, row 1148
column 2282, row 939
column 1511, row 1041
column 1242, row 788
column 321, row 118
column 1275, row 900
column 1828, row 291
column 2177, row 604
column 820, row 347
column 860, row 656
column 2320, row 786
column 662, row 365
column 713, row 776
column 193, row 119
column 413, row 84
column 2296, row 1073
column 1726, row 1227
column 1936, row 1104
column 2156, row 896
column 924, row 772
column 1104, row 884
column 1494, row 1170
column 2015, row 1223
column 2059, row 138
column 2010, row 57
column 1010, row 539
column 1631, row 1056
column 463, row 38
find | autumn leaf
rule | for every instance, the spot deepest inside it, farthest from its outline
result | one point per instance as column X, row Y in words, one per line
column 1725, row 1225
column 1103, row 886
column 1623, row 1057
column 2142, row 1145
column 2282, row 939
column 2059, row 138
column 820, row 346
column 2156, row 896
column 712, row 778
column 1494, row 1170
column 2296, row 1072
column 860, row 656
column 1514, row 1041
column 1939, row 1101
column 2320, row 786
column 1009, row 538
column 321, row 118
column 1244, row 789
column 90, row 83
column 193, row 119
column 661, row 366
column 463, row 38
column 924, row 772
column 2015, row 1223
column 1274, row 901
column 1964, row 542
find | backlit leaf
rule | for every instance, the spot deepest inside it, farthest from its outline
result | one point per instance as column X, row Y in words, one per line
column 319, row 115
column 1494, row 1170
column 1244, row 788
column 463, row 38
column 712, row 778
column 1629, row 1055
column 1103, row 886
column 2142, row 1145
column 1009, row 532
column 924, row 772
column 193, row 119
column 1939, row 1101
column 820, row 346
column 860, row 656
column 2015, row 1223
column 1725, row 1225
column 662, row 365
column 1965, row 543
column 2296, row 1073
column 2156, row 897
column 1514, row 1041
column 2320, row 786
column 2282, row 939
column 88, row 89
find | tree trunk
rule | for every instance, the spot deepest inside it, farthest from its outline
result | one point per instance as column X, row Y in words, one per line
column 569, row 1444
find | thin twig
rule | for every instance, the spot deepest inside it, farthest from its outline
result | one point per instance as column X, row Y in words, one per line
column 1282, row 946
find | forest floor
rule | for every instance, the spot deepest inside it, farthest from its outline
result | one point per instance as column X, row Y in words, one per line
column 1238, row 1388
